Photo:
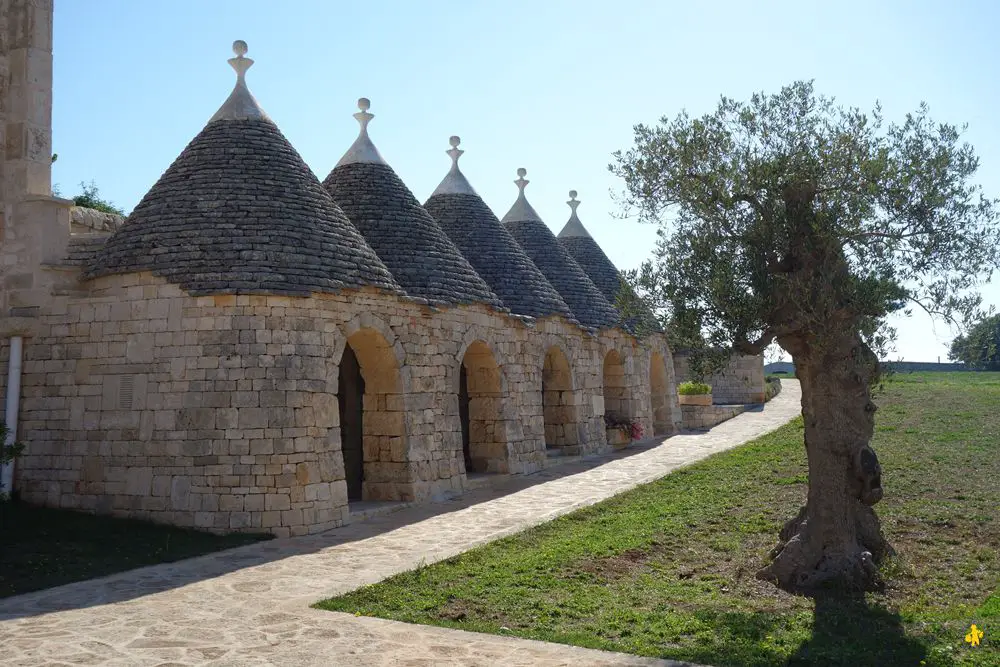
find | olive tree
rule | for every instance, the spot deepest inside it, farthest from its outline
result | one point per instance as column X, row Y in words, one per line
column 979, row 348
column 791, row 218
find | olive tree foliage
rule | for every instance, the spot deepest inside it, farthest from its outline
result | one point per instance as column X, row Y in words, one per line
column 979, row 348
column 790, row 218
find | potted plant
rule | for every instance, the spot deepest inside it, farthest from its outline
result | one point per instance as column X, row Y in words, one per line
column 621, row 430
column 694, row 393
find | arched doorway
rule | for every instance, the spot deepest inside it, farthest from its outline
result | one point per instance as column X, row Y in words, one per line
column 558, row 406
column 617, row 397
column 480, row 410
column 350, row 399
column 372, row 431
column 659, row 396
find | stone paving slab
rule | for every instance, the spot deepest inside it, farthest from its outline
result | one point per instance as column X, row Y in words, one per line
column 250, row 606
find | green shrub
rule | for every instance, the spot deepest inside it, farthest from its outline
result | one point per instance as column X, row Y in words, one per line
column 91, row 198
column 693, row 388
column 772, row 387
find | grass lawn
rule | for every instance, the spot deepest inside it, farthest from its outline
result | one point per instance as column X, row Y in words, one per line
column 666, row 569
column 42, row 547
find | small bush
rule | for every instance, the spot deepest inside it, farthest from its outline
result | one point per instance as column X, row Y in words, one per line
column 693, row 388
column 91, row 198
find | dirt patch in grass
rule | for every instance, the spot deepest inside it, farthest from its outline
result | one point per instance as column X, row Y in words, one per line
column 42, row 547
column 667, row 569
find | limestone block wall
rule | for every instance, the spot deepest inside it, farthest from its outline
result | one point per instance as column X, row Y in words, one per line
column 222, row 412
column 698, row 417
column 85, row 220
column 34, row 226
column 740, row 382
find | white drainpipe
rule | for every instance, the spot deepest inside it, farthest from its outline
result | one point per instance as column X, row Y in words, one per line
column 13, row 402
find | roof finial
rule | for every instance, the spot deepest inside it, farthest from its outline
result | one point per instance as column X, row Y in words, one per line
column 240, row 63
column 363, row 116
column 521, row 210
column 455, row 152
column 521, row 182
column 573, row 202
column 454, row 182
column 362, row 150
column 241, row 104
column 573, row 226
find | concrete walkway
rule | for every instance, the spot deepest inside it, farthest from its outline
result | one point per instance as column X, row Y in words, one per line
column 250, row 606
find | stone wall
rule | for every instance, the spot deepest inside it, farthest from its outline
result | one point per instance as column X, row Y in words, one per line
column 221, row 412
column 87, row 220
column 700, row 417
column 740, row 382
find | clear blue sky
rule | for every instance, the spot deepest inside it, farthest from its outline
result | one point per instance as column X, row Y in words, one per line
column 553, row 86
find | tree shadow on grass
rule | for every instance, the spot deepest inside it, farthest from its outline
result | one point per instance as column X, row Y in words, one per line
column 849, row 631
column 846, row 631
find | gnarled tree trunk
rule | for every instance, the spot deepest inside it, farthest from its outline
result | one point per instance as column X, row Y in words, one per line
column 836, row 540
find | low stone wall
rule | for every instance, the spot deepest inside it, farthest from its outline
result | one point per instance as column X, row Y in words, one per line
column 86, row 220
column 740, row 382
column 698, row 417
column 772, row 387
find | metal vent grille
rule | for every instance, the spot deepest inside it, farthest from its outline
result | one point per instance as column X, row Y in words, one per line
column 126, row 392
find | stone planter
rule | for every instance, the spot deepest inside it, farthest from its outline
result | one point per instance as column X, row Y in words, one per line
column 694, row 399
column 617, row 438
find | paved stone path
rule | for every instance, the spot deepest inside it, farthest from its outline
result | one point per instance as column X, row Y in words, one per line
column 250, row 606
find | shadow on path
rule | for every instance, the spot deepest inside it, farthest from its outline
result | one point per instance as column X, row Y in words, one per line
column 143, row 581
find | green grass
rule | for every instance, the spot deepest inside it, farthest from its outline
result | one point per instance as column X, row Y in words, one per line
column 666, row 569
column 42, row 547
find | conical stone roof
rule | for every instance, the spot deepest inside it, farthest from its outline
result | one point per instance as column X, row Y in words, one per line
column 584, row 299
column 598, row 267
column 240, row 212
column 420, row 256
column 490, row 248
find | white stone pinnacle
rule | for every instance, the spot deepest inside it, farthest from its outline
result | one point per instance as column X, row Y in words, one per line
column 455, row 152
column 454, row 182
column 573, row 202
column 521, row 210
column 521, row 182
column 241, row 104
column 573, row 226
column 362, row 150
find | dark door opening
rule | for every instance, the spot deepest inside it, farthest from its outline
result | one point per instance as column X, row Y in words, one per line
column 463, row 415
column 351, row 399
column 550, row 442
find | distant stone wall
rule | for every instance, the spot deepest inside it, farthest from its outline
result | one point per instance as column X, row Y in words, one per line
column 924, row 366
column 772, row 387
column 220, row 412
column 699, row 417
column 740, row 382
column 898, row 366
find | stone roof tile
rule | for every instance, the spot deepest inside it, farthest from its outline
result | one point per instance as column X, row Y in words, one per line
column 419, row 254
column 598, row 267
column 584, row 299
column 240, row 212
column 490, row 248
